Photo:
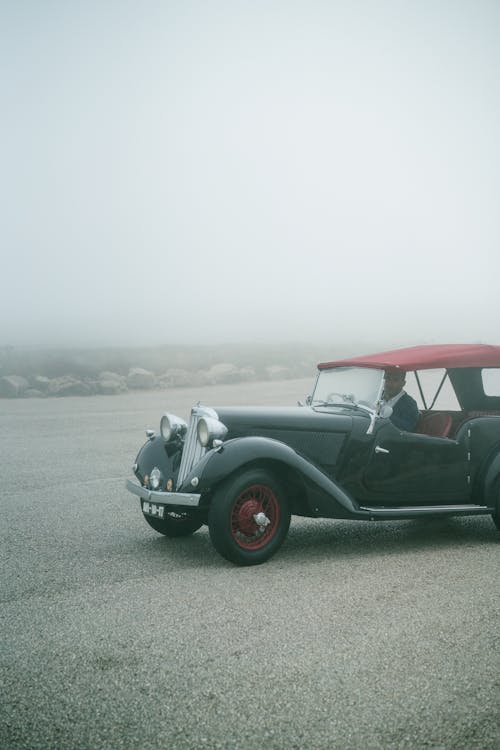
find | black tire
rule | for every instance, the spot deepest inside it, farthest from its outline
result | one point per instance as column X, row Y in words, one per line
column 234, row 530
column 495, row 516
column 174, row 524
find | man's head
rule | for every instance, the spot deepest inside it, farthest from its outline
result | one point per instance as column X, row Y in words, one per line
column 394, row 382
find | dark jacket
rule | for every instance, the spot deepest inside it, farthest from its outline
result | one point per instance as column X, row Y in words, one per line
column 405, row 413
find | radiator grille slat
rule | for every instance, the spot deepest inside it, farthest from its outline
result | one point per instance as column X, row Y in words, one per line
column 193, row 451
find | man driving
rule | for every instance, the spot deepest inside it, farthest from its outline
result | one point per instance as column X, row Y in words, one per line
column 405, row 413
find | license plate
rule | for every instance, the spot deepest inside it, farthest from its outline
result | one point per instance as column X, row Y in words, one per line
column 152, row 509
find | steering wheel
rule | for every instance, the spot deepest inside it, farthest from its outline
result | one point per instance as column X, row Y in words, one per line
column 335, row 393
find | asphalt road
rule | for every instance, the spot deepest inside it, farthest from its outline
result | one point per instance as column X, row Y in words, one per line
column 355, row 635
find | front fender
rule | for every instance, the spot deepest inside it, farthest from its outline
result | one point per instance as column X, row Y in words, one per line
column 153, row 453
column 325, row 497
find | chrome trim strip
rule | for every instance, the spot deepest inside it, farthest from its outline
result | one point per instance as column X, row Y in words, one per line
column 422, row 508
column 163, row 498
column 192, row 451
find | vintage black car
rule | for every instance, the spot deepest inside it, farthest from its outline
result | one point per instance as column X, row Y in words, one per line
column 245, row 471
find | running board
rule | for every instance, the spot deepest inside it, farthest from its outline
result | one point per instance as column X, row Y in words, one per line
column 412, row 511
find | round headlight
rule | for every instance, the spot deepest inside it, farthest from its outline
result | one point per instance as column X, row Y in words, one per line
column 172, row 426
column 203, row 432
column 209, row 430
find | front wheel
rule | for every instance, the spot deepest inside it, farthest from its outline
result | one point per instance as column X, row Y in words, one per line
column 249, row 518
column 174, row 524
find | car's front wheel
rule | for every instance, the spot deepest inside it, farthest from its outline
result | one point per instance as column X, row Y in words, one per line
column 174, row 524
column 249, row 517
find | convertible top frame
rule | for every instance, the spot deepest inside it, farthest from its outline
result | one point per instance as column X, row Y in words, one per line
column 462, row 363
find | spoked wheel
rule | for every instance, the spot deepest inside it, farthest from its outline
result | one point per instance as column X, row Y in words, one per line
column 249, row 518
column 174, row 524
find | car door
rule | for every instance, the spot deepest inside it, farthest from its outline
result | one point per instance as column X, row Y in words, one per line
column 408, row 468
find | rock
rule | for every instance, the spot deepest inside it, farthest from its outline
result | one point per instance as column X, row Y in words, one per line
column 110, row 383
column 139, row 378
column 13, row 386
column 40, row 383
column 67, row 385
column 223, row 372
column 277, row 372
column 248, row 373
column 179, row 378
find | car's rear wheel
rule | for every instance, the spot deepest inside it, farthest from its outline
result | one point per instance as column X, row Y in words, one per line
column 174, row 524
column 249, row 517
column 496, row 513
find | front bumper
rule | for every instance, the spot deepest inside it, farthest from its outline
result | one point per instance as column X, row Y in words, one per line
column 163, row 498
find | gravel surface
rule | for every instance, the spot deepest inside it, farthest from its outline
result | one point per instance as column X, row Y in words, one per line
column 355, row 635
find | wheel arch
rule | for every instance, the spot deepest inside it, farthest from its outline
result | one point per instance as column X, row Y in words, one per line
column 309, row 491
column 289, row 479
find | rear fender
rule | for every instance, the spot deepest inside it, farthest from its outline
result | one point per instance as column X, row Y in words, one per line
column 324, row 497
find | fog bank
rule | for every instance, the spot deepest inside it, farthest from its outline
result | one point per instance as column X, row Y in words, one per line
column 208, row 173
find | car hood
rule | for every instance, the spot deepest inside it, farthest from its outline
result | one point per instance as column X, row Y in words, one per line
column 319, row 436
column 238, row 419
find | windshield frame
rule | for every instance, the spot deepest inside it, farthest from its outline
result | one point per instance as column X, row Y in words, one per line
column 367, row 400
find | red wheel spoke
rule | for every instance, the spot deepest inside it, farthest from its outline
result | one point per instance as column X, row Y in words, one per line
column 253, row 501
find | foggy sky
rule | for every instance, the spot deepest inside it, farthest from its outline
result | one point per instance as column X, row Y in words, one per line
column 219, row 171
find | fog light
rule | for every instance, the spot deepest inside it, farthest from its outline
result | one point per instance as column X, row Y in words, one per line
column 154, row 479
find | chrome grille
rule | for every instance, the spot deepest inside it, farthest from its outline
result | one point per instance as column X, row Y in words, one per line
column 193, row 451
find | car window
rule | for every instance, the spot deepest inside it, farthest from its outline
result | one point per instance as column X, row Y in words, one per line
column 491, row 381
column 430, row 381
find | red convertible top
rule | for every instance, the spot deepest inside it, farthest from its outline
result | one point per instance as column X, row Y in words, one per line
column 426, row 357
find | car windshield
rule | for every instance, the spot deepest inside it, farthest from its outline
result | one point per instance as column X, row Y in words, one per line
column 348, row 385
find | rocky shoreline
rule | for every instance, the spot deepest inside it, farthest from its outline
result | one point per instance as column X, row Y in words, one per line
column 110, row 383
column 44, row 373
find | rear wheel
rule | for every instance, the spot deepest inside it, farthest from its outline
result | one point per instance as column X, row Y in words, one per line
column 496, row 518
column 174, row 524
column 496, row 514
column 249, row 518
